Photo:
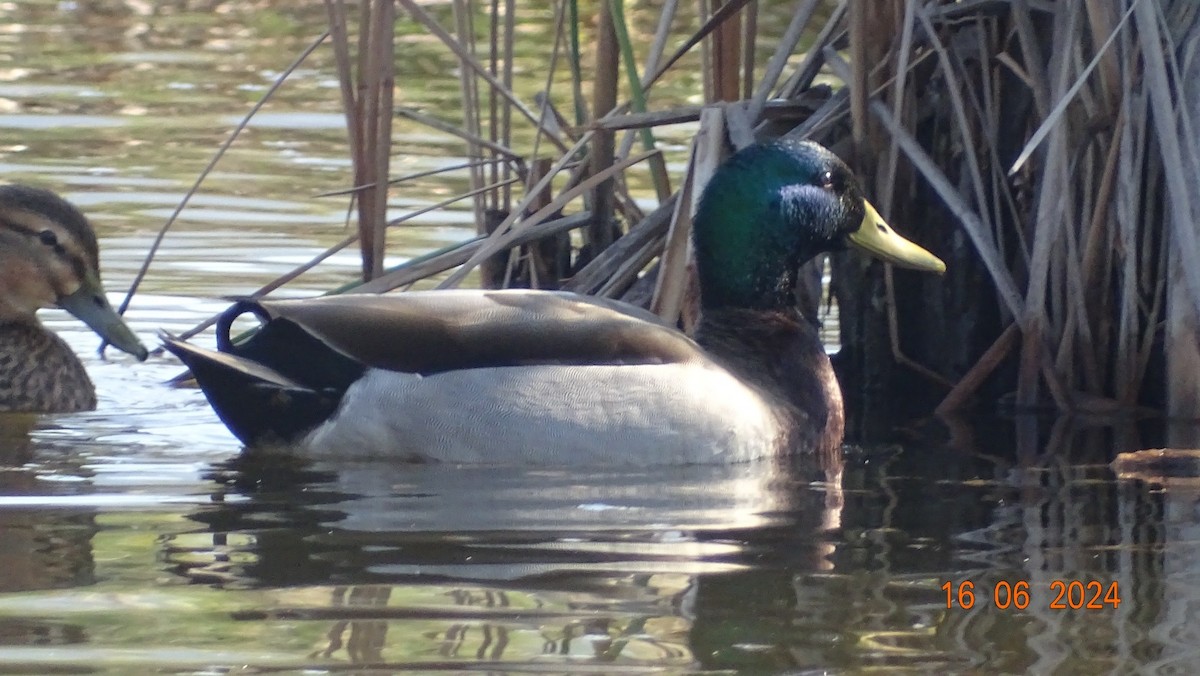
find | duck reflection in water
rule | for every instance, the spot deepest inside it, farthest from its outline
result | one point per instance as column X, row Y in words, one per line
column 413, row 566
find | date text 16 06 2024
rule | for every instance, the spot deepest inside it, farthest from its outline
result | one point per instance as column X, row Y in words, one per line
column 1016, row 595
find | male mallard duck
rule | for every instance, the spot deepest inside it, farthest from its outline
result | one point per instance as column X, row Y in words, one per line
column 551, row 377
column 49, row 256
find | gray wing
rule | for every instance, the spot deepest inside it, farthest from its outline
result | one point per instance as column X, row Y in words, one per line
column 436, row 331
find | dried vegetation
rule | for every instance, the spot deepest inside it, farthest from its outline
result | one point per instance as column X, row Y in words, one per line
column 1041, row 147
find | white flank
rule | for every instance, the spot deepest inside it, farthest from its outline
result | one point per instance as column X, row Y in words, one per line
column 640, row 415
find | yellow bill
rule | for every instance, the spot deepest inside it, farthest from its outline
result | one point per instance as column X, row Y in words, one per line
column 877, row 238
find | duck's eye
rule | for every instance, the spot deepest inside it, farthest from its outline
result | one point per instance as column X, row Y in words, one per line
column 48, row 238
column 832, row 181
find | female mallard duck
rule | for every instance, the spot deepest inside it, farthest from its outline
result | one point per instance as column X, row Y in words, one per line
column 49, row 256
column 551, row 377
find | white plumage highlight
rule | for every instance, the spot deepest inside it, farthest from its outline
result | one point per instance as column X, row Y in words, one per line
column 552, row 414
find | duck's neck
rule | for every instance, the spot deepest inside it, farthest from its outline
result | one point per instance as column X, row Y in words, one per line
column 758, row 277
column 39, row 372
column 781, row 354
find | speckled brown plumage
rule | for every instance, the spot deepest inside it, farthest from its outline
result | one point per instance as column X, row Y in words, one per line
column 40, row 373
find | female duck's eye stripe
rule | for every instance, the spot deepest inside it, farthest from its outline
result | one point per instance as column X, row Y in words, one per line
column 46, row 237
column 16, row 226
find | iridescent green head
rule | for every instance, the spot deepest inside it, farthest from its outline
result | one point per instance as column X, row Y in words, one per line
column 774, row 206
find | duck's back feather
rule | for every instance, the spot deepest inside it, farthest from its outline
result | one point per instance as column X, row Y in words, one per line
column 435, row 331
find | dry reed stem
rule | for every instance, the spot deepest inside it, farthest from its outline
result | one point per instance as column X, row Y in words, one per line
column 724, row 47
column 212, row 163
column 738, row 126
column 749, row 43
column 383, row 85
column 954, row 89
column 550, row 122
column 654, row 118
column 502, row 128
column 894, row 337
column 342, row 244
column 856, row 76
column 973, row 379
column 887, row 184
column 1178, row 171
column 658, row 45
column 638, row 101
column 504, row 235
column 632, row 264
column 451, row 200
column 706, row 55
column 336, row 11
column 718, row 17
column 473, row 136
column 779, row 59
column 534, row 190
column 460, row 254
column 602, row 151
column 1054, row 180
column 709, row 25
column 400, row 180
column 469, row 60
column 1180, row 166
column 1069, row 230
column 367, row 107
column 672, row 283
column 667, row 299
column 803, row 78
column 1022, row 17
column 1054, row 117
column 886, row 193
column 470, row 108
column 592, row 276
